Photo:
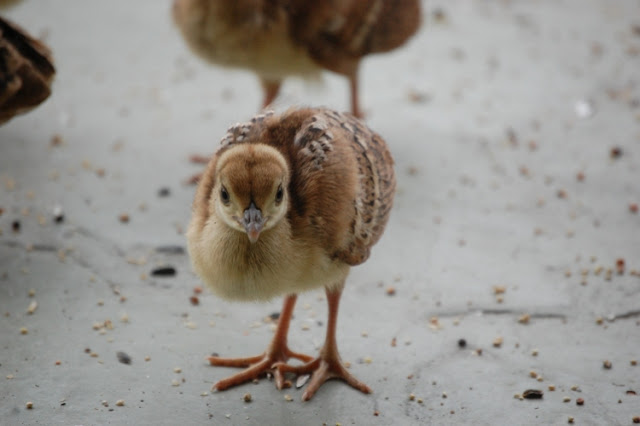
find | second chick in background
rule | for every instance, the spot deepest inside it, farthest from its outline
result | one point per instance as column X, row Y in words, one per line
column 279, row 38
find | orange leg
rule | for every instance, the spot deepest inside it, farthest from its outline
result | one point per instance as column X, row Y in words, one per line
column 271, row 90
column 328, row 364
column 277, row 352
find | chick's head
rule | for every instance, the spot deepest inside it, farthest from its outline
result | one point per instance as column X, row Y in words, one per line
column 250, row 193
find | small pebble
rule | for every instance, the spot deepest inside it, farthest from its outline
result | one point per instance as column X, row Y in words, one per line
column 607, row 364
column 120, row 402
column 566, row 399
column 288, row 398
column 570, row 420
column 164, row 271
column 412, row 397
column 29, row 405
column 462, row 343
column 634, row 362
column 552, row 387
column 247, row 397
column 124, row 218
column 532, row 394
column 164, row 192
column 636, row 419
column 123, row 357
column 177, row 370
column 579, row 401
column 24, row 330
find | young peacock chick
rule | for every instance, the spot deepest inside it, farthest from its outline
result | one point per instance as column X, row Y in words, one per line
column 281, row 38
column 288, row 204
column 26, row 71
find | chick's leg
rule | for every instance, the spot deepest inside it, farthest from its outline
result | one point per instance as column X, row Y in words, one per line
column 328, row 365
column 277, row 352
column 271, row 89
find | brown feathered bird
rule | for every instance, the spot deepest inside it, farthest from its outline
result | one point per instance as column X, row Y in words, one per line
column 288, row 204
column 281, row 38
column 26, row 71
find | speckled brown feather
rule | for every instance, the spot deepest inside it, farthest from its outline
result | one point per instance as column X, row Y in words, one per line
column 26, row 71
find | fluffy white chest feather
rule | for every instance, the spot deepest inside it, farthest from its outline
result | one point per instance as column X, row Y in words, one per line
column 273, row 266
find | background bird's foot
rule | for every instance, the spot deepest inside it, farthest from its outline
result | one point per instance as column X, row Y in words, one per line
column 323, row 369
column 256, row 366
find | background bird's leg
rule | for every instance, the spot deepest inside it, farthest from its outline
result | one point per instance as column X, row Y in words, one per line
column 277, row 352
column 328, row 365
column 270, row 89
column 353, row 86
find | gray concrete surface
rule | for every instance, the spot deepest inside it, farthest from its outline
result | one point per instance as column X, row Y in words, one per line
column 493, row 114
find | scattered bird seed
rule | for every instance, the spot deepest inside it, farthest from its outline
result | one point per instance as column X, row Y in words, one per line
column 566, row 399
column 288, row 398
column 123, row 357
column 247, row 397
column 58, row 214
column 32, row 307
column 124, row 218
column 195, row 301
column 579, row 401
column 462, row 343
column 636, row 419
column 584, row 109
column 570, row 419
column 524, row 319
column 532, row 394
column 497, row 342
column 177, row 370
column 120, row 402
column 29, row 405
column 164, row 271
column 607, row 364
column 24, row 330
column 164, row 192
column 552, row 387
column 615, row 152
column 634, row 362
column 15, row 226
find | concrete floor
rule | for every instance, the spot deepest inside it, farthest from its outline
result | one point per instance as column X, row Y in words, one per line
column 505, row 118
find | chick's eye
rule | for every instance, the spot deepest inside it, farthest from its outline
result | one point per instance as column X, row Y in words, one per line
column 224, row 195
column 279, row 194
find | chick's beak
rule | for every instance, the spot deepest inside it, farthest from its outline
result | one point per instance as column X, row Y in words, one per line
column 253, row 222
